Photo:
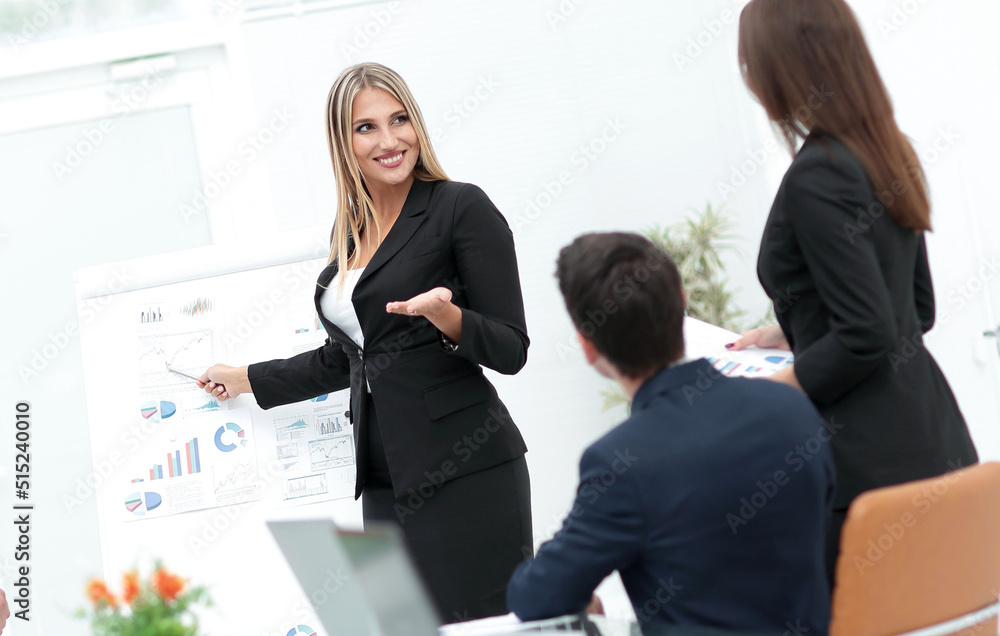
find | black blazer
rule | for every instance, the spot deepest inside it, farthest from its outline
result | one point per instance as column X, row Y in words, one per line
column 852, row 292
column 440, row 417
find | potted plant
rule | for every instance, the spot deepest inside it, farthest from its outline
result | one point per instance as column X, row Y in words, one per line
column 160, row 605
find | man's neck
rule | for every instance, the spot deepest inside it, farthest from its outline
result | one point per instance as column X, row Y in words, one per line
column 631, row 385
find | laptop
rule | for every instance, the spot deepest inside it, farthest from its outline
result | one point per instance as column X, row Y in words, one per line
column 365, row 584
column 360, row 584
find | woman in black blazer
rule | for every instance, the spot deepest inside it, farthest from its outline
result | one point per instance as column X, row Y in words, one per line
column 843, row 255
column 421, row 292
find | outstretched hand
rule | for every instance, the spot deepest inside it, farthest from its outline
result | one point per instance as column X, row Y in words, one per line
column 428, row 304
column 224, row 382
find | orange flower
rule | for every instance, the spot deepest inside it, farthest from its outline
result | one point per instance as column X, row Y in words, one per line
column 130, row 586
column 167, row 585
column 100, row 595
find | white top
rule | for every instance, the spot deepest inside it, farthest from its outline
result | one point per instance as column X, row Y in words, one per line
column 338, row 308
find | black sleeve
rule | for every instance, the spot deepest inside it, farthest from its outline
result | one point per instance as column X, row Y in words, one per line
column 300, row 377
column 923, row 290
column 493, row 326
column 823, row 200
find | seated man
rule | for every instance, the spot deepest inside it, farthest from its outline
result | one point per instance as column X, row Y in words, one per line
column 705, row 499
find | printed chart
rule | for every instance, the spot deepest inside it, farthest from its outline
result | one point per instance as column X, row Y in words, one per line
column 191, row 352
column 308, row 486
column 204, row 454
column 241, row 476
column 138, row 503
column 199, row 462
column 330, row 453
column 313, row 449
column 191, row 479
column 702, row 340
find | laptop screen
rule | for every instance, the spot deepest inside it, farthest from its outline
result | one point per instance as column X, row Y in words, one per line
column 358, row 583
column 391, row 583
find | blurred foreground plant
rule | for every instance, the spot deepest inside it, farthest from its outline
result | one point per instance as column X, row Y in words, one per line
column 159, row 606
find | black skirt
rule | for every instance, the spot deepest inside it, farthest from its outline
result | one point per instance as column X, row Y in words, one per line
column 465, row 535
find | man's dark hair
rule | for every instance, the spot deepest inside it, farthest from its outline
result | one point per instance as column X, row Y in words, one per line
column 624, row 295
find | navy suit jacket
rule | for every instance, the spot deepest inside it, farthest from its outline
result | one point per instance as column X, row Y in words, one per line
column 711, row 500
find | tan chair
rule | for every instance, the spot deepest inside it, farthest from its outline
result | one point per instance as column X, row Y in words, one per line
column 922, row 558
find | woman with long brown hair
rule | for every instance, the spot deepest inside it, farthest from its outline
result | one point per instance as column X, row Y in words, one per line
column 843, row 256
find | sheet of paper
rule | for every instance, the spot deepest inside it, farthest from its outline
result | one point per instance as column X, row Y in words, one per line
column 703, row 340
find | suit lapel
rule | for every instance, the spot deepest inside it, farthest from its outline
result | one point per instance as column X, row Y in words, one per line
column 410, row 218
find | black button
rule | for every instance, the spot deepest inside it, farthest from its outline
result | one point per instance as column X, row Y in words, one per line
column 347, row 414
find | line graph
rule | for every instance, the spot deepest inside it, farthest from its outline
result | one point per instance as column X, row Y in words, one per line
column 240, row 476
column 191, row 351
column 304, row 487
column 290, row 428
column 198, row 307
column 211, row 405
column 330, row 453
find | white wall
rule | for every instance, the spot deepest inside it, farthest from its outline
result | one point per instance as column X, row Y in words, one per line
column 550, row 77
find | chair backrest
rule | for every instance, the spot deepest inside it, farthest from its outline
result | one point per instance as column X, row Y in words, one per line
column 919, row 554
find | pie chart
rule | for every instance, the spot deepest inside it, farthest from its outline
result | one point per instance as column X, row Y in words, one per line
column 228, row 447
column 139, row 503
column 154, row 410
column 301, row 629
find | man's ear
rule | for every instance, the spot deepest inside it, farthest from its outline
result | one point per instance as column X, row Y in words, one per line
column 594, row 358
column 589, row 350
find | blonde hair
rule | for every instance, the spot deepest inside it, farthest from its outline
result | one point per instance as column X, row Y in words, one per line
column 355, row 209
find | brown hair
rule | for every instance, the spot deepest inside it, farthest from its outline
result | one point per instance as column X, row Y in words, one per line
column 624, row 295
column 807, row 63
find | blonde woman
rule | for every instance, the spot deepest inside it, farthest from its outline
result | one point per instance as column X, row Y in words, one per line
column 421, row 292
